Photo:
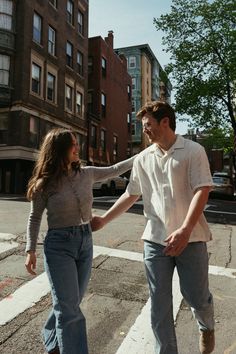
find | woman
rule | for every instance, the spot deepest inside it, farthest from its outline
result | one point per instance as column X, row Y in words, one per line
column 60, row 185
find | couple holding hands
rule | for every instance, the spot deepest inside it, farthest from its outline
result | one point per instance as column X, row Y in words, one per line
column 173, row 177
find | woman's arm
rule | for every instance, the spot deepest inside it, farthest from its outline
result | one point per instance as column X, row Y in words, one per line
column 38, row 205
column 121, row 206
column 102, row 173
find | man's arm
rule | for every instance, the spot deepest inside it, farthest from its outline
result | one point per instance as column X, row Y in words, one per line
column 121, row 206
column 178, row 240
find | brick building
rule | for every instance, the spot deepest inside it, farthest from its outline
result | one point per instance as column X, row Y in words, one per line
column 109, row 103
column 43, row 80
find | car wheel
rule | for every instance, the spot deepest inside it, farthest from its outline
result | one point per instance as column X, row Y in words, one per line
column 113, row 188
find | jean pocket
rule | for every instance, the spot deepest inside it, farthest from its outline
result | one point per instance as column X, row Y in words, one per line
column 59, row 236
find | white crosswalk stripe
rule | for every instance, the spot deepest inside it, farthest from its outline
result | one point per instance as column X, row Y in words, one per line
column 7, row 242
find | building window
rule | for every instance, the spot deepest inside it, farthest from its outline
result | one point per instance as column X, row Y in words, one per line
column 129, row 92
column 104, row 67
column 90, row 102
column 51, row 40
column 94, row 136
column 103, row 140
column 90, row 65
column 37, row 28
column 70, row 11
column 133, row 83
column 81, row 23
column 69, row 54
column 51, row 85
column 6, row 10
column 4, row 69
column 53, row 3
column 133, row 129
column 133, row 106
column 69, row 100
column 82, row 140
column 80, row 60
column 103, row 102
column 132, row 62
column 3, row 128
column 129, row 122
column 36, row 79
column 34, row 132
column 79, row 103
column 115, row 147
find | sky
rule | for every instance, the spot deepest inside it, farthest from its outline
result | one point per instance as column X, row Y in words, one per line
column 132, row 24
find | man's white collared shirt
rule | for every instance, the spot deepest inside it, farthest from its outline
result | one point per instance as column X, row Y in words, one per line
column 167, row 182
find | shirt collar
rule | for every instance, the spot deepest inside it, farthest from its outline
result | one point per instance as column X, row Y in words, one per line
column 179, row 144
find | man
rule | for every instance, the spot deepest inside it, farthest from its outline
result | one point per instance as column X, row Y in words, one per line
column 174, row 179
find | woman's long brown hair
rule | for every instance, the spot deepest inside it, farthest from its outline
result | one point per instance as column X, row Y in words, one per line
column 52, row 161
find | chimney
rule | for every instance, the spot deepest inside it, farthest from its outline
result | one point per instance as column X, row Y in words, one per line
column 110, row 38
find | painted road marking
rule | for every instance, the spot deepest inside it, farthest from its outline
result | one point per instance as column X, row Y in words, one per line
column 7, row 242
column 31, row 292
column 140, row 337
column 23, row 298
column 220, row 212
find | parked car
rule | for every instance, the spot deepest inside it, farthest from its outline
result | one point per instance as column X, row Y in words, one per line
column 222, row 185
column 111, row 185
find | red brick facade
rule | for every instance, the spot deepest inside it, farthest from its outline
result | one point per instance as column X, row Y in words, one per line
column 109, row 103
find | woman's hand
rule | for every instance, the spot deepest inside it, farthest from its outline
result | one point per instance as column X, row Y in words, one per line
column 30, row 262
column 97, row 223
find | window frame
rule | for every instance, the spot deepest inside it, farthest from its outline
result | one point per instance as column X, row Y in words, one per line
column 134, row 62
column 69, row 59
column 103, row 105
column 79, row 112
column 39, row 92
column 80, row 24
column 5, row 70
column 80, row 66
column 39, row 30
column 67, row 108
column 70, row 15
column 53, row 44
column 94, row 137
column 104, row 67
column 9, row 16
column 103, row 141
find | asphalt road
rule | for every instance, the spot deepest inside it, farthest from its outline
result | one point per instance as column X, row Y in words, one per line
column 217, row 210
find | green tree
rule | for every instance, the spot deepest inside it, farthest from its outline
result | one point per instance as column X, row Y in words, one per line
column 217, row 138
column 200, row 36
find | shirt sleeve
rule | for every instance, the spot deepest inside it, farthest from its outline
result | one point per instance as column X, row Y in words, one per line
column 200, row 174
column 134, row 187
column 102, row 173
column 38, row 205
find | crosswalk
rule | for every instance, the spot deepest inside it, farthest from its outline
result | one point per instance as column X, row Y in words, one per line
column 7, row 242
column 139, row 338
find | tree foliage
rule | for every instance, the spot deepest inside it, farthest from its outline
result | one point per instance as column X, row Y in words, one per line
column 200, row 35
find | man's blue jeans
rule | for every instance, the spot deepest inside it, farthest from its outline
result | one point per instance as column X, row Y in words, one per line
column 68, row 254
column 192, row 267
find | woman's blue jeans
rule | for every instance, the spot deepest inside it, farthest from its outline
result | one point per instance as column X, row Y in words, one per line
column 192, row 267
column 68, row 254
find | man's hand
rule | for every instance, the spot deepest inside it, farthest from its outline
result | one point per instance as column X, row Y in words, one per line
column 97, row 223
column 30, row 262
column 176, row 242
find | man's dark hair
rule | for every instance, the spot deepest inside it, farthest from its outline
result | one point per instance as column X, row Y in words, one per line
column 159, row 110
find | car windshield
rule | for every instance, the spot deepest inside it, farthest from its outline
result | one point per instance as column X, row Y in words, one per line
column 221, row 180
